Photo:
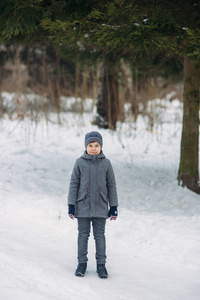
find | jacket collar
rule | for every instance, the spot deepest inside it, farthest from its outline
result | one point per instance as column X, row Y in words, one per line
column 93, row 157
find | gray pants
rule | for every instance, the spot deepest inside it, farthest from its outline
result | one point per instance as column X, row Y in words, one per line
column 98, row 225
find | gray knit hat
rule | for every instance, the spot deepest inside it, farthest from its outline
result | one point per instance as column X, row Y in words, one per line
column 93, row 136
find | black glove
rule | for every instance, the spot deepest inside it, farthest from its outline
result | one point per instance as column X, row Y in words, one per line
column 71, row 211
column 113, row 213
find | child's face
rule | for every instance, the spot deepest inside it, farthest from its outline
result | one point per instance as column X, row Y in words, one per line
column 93, row 148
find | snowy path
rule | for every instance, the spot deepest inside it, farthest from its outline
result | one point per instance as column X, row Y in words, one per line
column 153, row 248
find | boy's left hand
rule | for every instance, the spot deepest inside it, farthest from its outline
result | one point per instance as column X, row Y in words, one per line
column 71, row 211
column 113, row 213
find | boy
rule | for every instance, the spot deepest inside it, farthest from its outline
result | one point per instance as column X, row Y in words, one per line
column 92, row 189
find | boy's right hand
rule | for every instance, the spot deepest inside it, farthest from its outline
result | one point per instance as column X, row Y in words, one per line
column 71, row 211
column 113, row 213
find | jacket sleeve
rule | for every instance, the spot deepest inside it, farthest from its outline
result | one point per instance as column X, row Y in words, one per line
column 111, row 186
column 74, row 184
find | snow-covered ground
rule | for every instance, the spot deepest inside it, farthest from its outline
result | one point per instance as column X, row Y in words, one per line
column 153, row 249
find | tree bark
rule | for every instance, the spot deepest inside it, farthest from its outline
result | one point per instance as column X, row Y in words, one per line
column 134, row 106
column 102, row 99
column 108, row 95
column 113, row 94
column 188, row 174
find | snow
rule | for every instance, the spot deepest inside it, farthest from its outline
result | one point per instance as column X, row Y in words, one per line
column 152, row 248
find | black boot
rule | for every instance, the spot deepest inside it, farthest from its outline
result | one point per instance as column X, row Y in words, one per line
column 101, row 270
column 80, row 271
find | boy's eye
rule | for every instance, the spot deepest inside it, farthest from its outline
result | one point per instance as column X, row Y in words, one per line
column 94, row 145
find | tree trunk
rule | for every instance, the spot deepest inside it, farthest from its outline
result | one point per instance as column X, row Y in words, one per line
column 1, row 106
column 108, row 95
column 113, row 94
column 102, row 99
column 134, row 106
column 188, row 173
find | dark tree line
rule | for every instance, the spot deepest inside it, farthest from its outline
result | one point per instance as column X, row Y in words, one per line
column 135, row 30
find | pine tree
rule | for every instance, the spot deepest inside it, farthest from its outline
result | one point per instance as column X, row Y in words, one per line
column 140, row 28
column 121, row 28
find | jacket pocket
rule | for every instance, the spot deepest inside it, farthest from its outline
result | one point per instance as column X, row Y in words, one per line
column 104, row 196
column 82, row 194
column 82, row 204
column 102, row 204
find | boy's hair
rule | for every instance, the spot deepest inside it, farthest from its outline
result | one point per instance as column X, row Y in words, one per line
column 93, row 136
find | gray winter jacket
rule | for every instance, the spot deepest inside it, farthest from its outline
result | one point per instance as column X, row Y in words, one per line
column 92, row 186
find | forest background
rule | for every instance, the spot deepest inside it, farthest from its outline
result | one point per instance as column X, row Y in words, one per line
column 117, row 53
